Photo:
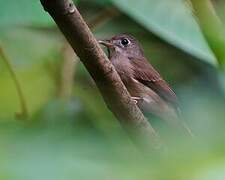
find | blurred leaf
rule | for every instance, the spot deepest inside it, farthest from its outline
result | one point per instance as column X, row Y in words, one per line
column 32, row 81
column 222, row 81
column 24, row 12
column 220, row 9
column 59, row 113
column 172, row 20
column 26, row 46
column 58, row 153
column 29, row 52
column 103, row 2
column 96, row 109
column 63, row 152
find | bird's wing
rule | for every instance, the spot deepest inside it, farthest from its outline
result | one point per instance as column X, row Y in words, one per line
column 147, row 75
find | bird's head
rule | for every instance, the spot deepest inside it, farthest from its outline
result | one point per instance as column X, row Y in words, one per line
column 123, row 44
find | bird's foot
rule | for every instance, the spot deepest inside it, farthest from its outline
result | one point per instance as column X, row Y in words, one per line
column 136, row 99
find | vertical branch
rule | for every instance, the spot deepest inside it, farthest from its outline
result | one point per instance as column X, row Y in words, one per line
column 116, row 96
column 24, row 111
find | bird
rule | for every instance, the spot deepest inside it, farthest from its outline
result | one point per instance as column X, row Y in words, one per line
column 144, row 83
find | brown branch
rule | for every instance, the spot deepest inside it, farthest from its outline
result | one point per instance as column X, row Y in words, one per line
column 116, row 96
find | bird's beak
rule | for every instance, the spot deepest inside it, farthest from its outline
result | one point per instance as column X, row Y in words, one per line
column 106, row 43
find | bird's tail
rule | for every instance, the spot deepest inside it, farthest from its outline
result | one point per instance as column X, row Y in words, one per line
column 186, row 128
column 175, row 119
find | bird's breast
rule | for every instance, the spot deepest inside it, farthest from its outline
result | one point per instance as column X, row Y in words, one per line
column 123, row 68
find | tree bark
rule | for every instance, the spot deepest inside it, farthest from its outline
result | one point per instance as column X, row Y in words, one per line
column 114, row 93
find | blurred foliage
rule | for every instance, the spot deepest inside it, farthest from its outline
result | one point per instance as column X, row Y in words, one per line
column 25, row 12
column 79, row 137
column 212, row 28
column 179, row 28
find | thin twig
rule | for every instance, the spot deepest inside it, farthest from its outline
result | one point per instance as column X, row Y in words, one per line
column 24, row 112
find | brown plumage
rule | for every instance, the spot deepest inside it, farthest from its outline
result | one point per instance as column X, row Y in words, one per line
column 143, row 82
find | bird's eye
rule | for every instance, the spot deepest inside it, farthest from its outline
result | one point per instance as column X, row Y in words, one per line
column 125, row 41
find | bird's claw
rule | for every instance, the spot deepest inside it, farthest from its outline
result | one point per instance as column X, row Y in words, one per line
column 136, row 99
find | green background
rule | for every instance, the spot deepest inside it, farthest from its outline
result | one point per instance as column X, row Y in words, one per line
column 70, row 133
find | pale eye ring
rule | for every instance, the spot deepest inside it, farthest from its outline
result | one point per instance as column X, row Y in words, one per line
column 125, row 41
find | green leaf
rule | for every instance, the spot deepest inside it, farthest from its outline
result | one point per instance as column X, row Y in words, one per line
column 24, row 12
column 28, row 46
column 172, row 20
column 220, row 9
column 30, row 52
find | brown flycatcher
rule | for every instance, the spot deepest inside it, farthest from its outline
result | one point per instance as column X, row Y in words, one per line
column 145, row 85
